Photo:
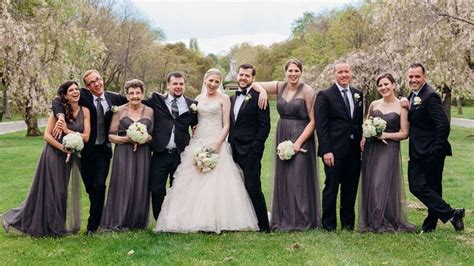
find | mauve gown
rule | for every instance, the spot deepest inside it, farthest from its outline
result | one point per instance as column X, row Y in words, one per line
column 382, row 195
column 296, row 202
column 128, row 198
column 44, row 211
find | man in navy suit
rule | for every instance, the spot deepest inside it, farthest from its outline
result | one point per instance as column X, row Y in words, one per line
column 96, row 154
column 338, row 115
column 429, row 146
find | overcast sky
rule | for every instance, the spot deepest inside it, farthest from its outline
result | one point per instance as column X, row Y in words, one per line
column 218, row 25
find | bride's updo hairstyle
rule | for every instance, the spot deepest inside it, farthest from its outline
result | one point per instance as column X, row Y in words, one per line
column 62, row 92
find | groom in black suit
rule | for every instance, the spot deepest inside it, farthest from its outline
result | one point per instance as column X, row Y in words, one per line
column 429, row 146
column 173, row 117
column 97, row 152
column 338, row 115
column 249, row 129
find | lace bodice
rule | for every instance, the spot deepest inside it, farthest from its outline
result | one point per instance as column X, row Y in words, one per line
column 209, row 120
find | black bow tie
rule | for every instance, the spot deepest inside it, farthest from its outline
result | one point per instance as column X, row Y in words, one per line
column 242, row 92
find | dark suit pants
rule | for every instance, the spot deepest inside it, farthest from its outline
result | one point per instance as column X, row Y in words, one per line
column 345, row 173
column 425, row 181
column 163, row 164
column 94, row 171
column 251, row 166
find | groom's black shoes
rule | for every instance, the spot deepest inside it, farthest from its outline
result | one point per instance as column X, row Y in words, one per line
column 457, row 219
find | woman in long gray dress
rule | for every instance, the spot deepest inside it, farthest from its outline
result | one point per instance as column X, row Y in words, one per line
column 128, row 198
column 382, row 196
column 45, row 209
column 296, row 202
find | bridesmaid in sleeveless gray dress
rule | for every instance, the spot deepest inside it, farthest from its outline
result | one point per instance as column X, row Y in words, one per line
column 44, row 211
column 296, row 201
column 382, row 196
column 128, row 198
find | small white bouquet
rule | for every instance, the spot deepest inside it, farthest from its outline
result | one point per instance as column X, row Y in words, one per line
column 205, row 159
column 285, row 150
column 73, row 143
column 373, row 127
column 138, row 133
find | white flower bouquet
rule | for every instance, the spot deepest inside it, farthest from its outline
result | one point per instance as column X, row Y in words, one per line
column 205, row 159
column 373, row 127
column 137, row 132
column 285, row 150
column 73, row 143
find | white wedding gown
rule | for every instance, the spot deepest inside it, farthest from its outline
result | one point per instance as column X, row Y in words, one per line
column 210, row 202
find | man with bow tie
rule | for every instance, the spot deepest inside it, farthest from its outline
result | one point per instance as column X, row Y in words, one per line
column 249, row 129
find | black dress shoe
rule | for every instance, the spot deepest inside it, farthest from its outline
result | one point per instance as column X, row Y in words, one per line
column 457, row 221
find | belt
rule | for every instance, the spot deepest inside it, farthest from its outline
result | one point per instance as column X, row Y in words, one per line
column 171, row 150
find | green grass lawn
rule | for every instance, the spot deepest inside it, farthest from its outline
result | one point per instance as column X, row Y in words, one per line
column 19, row 155
column 467, row 112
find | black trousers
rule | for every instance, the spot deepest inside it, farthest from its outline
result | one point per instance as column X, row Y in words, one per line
column 251, row 166
column 163, row 164
column 345, row 173
column 94, row 171
column 425, row 181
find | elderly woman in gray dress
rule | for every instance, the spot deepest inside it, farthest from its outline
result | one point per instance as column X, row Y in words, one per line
column 45, row 210
column 128, row 198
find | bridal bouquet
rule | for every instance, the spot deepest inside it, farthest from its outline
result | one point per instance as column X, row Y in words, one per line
column 373, row 127
column 205, row 159
column 73, row 142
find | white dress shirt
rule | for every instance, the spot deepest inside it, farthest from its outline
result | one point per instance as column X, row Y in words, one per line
column 349, row 97
column 104, row 102
column 239, row 100
column 182, row 108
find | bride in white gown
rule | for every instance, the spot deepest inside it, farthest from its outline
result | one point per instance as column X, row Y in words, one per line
column 217, row 200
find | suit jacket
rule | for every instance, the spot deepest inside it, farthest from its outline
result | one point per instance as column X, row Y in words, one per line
column 164, row 122
column 87, row 100
column 252, row 126
column 429, row 126
column 334, row 125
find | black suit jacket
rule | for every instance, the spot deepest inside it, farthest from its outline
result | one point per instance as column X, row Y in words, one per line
column 87, row 100
column 164, row 122
column 251, row 128
column 334, row 125
column 429, row 126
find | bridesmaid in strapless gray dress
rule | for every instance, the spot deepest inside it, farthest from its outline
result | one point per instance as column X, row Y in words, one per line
column 383, row 205
column 43, row 213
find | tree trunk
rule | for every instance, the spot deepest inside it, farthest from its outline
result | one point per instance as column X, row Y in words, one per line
column 7, row 111
column 447, row 100
column 31, row 121
column 459, row 105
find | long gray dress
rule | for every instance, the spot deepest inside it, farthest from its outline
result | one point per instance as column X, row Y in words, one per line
column 296, row 201
column 44, row 211
column 383, row 205
column 128, row 198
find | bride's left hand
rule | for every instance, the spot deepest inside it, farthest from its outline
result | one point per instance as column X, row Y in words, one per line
column 216, row 147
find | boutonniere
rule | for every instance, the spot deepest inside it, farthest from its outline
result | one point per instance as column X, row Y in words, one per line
column 113, row 108
column 248, row 97
column 356, row 97
column 193, row 107
column 416, row 100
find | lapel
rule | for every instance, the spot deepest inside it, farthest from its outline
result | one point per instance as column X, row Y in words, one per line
column 420, row 94
column 242, row 107
column 161, row 104
column 106, row 96
column 338, row 95
column 232, row 104
column 357, row 103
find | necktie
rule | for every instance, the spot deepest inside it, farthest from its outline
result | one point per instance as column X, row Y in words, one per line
column 174, row 109
column 346, row 100
column 242, row 92
column 100, row 122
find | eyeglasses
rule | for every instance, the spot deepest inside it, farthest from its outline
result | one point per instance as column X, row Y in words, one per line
column 96, row 80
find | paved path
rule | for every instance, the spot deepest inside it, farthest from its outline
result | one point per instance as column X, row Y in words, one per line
column 8, row 127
